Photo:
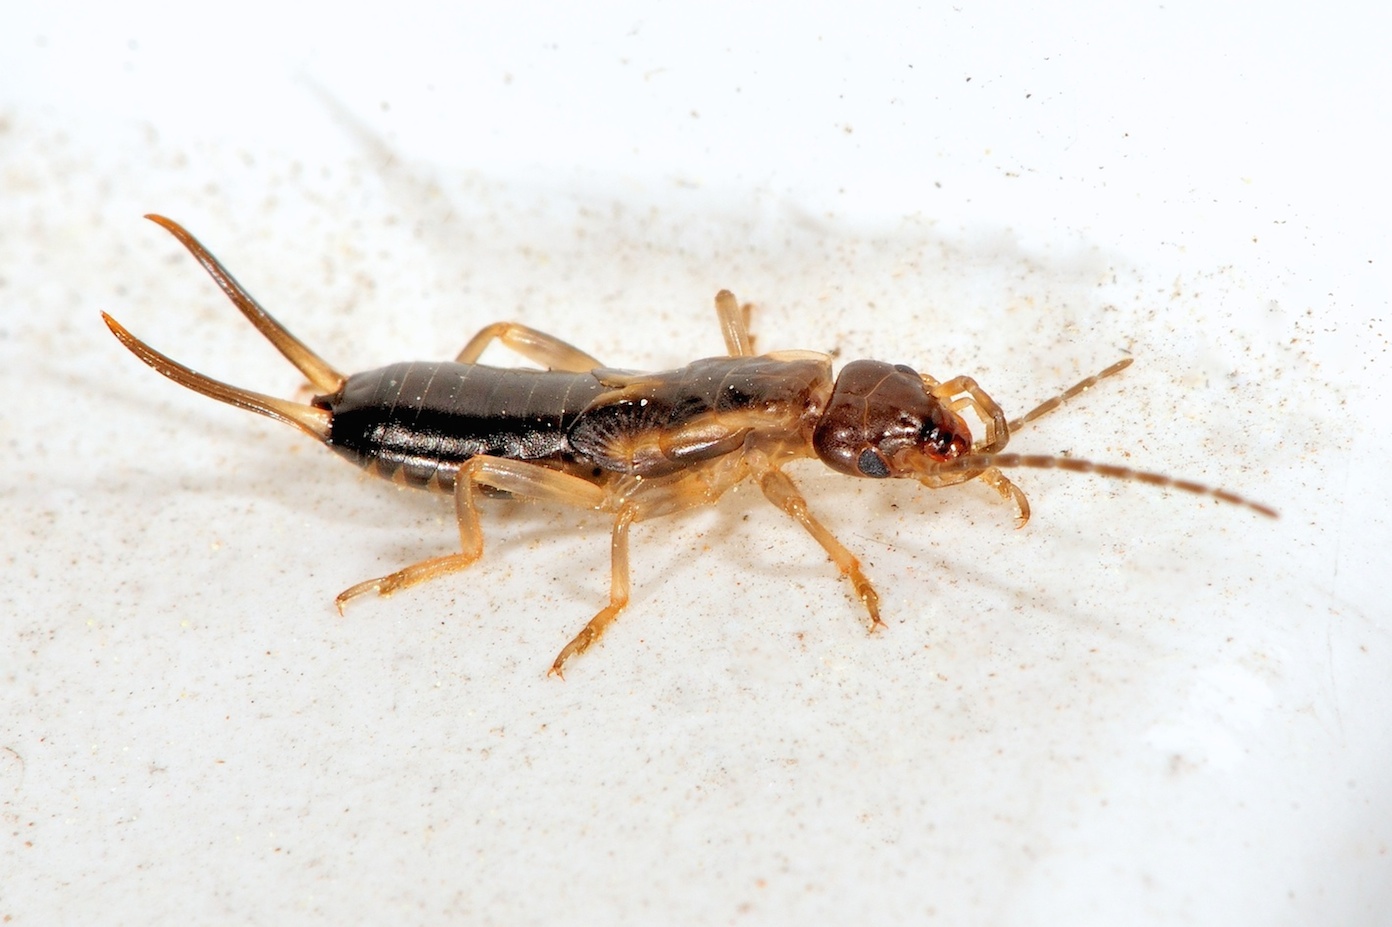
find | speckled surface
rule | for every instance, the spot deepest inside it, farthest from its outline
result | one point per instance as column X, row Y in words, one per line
column 1142, row 708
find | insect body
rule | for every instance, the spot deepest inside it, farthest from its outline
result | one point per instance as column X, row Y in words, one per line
column 637, row 445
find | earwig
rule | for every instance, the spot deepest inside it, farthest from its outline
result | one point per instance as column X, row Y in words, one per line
column 640, row 445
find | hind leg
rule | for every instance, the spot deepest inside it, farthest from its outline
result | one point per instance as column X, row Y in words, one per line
column 539, row 347
column 514, row 476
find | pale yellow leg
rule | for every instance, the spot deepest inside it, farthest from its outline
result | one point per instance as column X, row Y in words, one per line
column 514, row 476
column 641, row 501
column 1009, row 492
column 618, row 592
column 539, row 347
column 993, row 442
column 782, row 492
column 734, row 324
column 998, row 431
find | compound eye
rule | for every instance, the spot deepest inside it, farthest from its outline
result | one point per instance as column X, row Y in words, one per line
column 871, row 464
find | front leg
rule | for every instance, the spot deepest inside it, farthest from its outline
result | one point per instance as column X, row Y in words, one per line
column 1009, row 492
column 779, row 488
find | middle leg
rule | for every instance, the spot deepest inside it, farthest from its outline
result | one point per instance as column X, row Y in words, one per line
column 699, row 486
column 618, row 592
column 734, row 324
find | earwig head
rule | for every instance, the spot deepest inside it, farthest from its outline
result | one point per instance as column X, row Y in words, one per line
column 881, row 421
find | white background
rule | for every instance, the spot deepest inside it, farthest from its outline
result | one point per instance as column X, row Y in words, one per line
column 1144, row 707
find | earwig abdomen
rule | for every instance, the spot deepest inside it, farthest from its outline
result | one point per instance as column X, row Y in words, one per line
column 417, row 422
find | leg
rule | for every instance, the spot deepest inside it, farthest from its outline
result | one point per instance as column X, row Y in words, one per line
column 618, row 592
column 701, row 486
column 539, row 347
column 514, row 476
column 782, row 492
column 734, row 324
column 1009, row 492
column 989, row 475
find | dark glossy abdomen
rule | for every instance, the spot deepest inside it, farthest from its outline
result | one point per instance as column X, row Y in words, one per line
column 417, row 422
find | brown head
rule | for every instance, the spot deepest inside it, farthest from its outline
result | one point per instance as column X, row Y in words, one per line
column 881, row 421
